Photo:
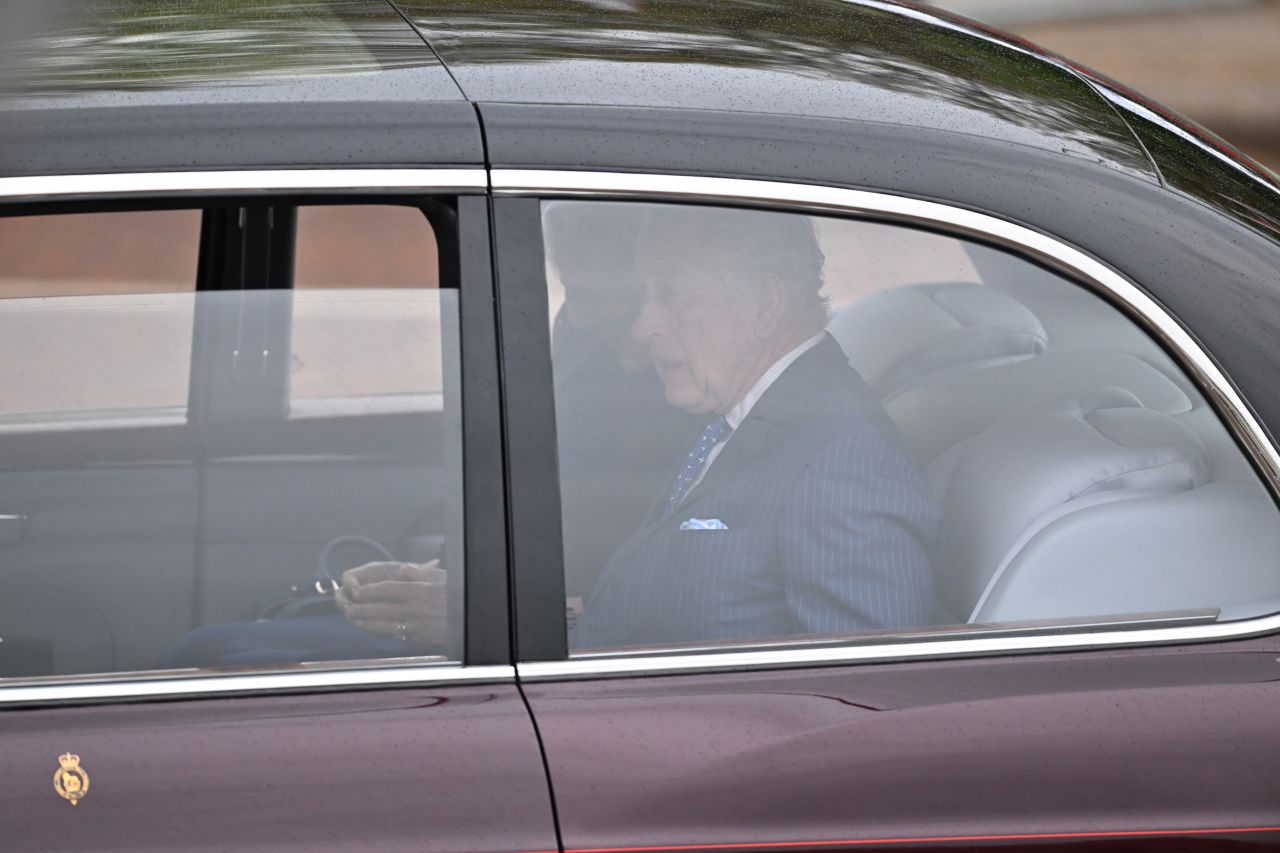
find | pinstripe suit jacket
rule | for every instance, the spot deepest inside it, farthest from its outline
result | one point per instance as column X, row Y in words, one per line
column 829, row 528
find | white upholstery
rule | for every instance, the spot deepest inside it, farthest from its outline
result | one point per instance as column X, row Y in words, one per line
column 1000, row 488
column 894, row 338
column 957, row 404
column 1214, row 547
column 1080, row 472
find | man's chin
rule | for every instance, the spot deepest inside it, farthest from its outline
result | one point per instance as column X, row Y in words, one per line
column 694, row 404
column 681, row 391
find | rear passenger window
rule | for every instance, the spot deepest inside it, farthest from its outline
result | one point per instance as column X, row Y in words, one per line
column 775, row 427
column 292, row 494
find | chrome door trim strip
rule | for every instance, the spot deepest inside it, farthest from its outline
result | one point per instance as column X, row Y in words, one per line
column 650, row 664
column 125, row 184
column 188, row 685
column 1105, row 280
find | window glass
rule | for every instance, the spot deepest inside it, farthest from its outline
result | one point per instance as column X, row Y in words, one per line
column 304, row 510
column 406, row 256
column 100, row 306
column 353, row 308
column 89, row 254
column 775, row 427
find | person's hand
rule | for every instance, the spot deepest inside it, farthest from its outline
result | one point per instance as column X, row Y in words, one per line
column 403, row 600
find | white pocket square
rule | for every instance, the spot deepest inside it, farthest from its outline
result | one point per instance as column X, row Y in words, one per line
column 703, row 524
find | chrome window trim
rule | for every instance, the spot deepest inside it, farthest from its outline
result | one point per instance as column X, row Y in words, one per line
column 650, row 664
column 125, row 184
column 1105, row 280
column 191, row 685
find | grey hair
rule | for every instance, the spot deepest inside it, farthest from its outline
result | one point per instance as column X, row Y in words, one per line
column 596, row 240
column 749, row 243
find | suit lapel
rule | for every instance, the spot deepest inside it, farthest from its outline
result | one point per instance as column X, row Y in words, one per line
column 773, row 418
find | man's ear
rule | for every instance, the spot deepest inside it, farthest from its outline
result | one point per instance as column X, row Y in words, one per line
column 771, row 304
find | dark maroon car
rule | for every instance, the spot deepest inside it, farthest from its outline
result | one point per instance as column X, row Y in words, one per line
column 597, row 426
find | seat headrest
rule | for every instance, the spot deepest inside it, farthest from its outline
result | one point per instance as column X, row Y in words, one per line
column 954, row 405
column 894, row 337
column 1000, row 486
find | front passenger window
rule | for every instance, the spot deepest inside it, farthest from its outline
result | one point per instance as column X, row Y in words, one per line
column 204, row 452
column 122, row 286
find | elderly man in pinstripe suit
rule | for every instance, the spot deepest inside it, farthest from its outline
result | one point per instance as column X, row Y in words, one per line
column 796, row 511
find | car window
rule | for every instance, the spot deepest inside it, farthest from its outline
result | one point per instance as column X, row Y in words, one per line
column 775, row 427
column 350, row 309
column 121, row 285
column 304, row 503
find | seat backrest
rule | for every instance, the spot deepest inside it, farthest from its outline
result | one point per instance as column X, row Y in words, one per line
column 895, row 338
column 1214, row 547
column 1004, row 485
column 1080, row 472
column 954, row 405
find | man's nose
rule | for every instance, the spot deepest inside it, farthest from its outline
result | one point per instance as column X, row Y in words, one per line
column 648, row 321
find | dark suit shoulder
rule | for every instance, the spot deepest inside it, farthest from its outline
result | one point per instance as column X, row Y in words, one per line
column 821, row 397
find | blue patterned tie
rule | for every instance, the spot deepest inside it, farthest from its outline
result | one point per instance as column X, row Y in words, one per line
column 693, row 464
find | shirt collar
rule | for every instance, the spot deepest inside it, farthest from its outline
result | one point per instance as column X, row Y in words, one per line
column 738, row 413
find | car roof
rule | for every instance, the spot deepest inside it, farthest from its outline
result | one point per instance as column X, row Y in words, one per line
column 140, row 85
column 870, row 61
column 212, row 73
column 107, row 52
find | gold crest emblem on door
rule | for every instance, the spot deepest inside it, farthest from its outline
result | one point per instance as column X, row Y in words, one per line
column 70, row 780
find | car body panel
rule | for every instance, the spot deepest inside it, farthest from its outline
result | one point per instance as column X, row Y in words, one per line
column 1176, row 145
column 1125, row 746
column 451, row 768
column 1225, row 180
column 241, row 136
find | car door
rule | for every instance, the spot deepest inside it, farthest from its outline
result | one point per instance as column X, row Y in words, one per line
column 176, row 670
column 1103, row 656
